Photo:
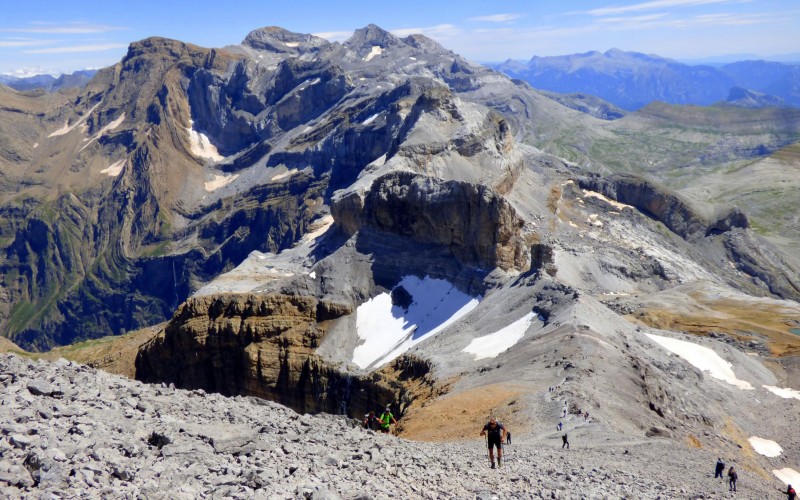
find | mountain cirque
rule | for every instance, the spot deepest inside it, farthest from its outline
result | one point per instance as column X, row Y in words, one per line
column 340, row 226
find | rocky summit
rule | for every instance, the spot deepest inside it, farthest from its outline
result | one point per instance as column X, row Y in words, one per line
column 337, row 227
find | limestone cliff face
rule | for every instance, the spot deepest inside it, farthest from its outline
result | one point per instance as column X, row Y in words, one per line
column 478, row 225
column 679, row 215
column 260, row 345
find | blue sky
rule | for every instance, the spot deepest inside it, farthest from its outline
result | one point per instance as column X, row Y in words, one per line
column 55, row 36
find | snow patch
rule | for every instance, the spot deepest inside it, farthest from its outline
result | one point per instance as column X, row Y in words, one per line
column 615, row 204
column 490, row 346
column 388, row 330
column 787, row 475
column 702, row 358
column 376, row 51
column 67, row 128
column 284, row 175
column 219, row 181
column 35, row 145
column 318, row 229
column 312, row 275
column 111, row 126
column 292, row 44
column 201, row 146
column 370, row 119
column 765, row 447
column 783, row 392
column 378, row 162
column 412, row 58
column 115, row 168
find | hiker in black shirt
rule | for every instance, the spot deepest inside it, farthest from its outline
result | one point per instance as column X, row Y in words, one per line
column 496, row 435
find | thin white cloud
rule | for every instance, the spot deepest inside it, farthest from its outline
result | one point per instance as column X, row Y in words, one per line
column 30, row 71
column 24, row 43
column 440, row 31
column 77, row 48
column 67, row 28
column 334, row 36
column 630, row 19
column 655, row 4
column 496, row 18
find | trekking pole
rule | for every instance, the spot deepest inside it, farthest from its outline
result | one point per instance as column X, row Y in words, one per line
column 486, row 447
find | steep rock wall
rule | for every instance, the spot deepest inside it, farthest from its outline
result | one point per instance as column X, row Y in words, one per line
column 681, row 217
column 261, row 345
column 478, row 225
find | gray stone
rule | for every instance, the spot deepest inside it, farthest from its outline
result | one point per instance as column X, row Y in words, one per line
column 40, row 387
column 20, row 441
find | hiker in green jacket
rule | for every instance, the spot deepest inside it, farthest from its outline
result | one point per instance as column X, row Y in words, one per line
column 387, row 419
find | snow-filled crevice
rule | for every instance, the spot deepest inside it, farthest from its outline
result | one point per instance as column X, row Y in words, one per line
column 421, row 308
column 492, row 345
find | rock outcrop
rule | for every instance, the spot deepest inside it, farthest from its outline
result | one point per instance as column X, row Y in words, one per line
column 681, row 216
column 477, row 225
column 261, row 346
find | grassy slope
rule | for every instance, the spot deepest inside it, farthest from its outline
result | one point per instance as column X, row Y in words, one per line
column 115, row 354
column 746, row 157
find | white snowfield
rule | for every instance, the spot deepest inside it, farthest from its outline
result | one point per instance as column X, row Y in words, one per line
column 594, row 194
column 788, row 476
column 370, row 119
column 375, row 51
column 387, row 331
column 219, row 181
column 115, row 168
column 702, row 358
column 492, row 345
column 103, row 131
column 284, row 175
column 783, row 392
column 317, row 229
column 201, row 146
column 67, row 128
column 765, row 447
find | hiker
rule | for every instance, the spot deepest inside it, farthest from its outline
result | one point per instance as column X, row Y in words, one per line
column 386, row 419
column 719, row 469
column 732, row 477
column 371, row 421
column 586, row 416
column 566, row 442
column 558, row 427
column 790, row 493
column 495, row 433
column 508, row 437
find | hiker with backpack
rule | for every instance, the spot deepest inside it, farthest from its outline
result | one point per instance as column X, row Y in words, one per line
column 732, row 477
column 386, row 419
column 790, row 493
column 565, row 441
column 371, row 421
column 495, row 434
column 719, row 469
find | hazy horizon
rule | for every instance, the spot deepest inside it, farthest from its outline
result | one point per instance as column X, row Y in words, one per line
column 38, row 37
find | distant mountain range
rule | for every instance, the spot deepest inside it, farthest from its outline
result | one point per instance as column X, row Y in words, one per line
column 48, row 82
column 631, row 80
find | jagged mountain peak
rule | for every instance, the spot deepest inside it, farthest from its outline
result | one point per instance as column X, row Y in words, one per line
column 422, row 42
column 370, row 36
column 277, row 39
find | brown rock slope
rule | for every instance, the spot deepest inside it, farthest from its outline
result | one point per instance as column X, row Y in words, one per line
column 263, row 345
